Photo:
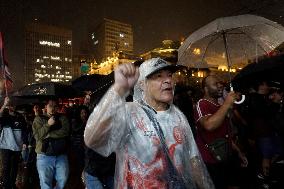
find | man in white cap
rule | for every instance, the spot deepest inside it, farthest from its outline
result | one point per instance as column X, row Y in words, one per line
column 152, row 139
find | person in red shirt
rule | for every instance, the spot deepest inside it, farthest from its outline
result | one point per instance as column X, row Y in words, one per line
column 212, row 123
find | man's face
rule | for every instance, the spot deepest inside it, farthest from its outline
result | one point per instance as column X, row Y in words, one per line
column 51, row 107
column 263, row 88
column 276, row 97
column 214, row 87
column 159, row 87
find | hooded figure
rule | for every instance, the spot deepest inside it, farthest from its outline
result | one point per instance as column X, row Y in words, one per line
column 151, row 137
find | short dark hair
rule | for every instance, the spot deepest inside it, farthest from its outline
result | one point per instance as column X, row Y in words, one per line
column 52, row 100
column 204, row 81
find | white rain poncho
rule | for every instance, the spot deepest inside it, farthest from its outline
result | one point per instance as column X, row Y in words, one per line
column 124, row 128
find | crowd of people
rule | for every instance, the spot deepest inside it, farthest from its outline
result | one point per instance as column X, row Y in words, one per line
column 159, row 139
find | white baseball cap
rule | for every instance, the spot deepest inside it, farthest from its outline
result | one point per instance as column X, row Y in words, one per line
column 154, row 65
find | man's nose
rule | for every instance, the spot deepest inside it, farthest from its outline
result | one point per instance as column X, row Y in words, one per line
column 168, row 79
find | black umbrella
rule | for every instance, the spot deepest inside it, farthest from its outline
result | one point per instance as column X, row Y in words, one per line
column 47, row 90
column 269, row 69
column 94, row 82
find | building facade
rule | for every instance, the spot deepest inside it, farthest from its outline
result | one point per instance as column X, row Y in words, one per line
column 48, row 54
column 167, row 51
column 111, row 37
column 108, row 66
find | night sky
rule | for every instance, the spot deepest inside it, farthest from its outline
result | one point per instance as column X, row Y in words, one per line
column 152, row 20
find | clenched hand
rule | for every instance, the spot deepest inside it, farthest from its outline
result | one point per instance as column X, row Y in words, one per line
column 125, row 76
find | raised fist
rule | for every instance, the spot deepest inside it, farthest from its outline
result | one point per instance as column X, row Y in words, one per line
column 125, row 76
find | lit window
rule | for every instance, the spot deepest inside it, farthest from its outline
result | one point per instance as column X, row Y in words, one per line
column 55, row 58
column 55, row 80
column 48, row 43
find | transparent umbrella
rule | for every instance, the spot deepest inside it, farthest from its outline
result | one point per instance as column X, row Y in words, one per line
column 231, row 42
column 239, row 38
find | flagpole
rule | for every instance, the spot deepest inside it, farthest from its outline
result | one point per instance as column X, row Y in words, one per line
column 5, row 83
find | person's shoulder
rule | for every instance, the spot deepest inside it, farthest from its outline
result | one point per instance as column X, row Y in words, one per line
column 175, row 108
column 40, row 118
column 132, row 105
column 206, row 103
column 201, row 102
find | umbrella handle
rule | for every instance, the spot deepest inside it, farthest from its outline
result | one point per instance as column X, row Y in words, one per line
column 240, row 101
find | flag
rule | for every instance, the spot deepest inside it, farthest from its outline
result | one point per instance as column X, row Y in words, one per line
column 5, row 74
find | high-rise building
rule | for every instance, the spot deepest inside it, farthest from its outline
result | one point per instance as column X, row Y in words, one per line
column 111, row 37
column 48, row 54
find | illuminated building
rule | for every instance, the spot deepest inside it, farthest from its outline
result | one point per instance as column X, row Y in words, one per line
column 107, row 66
column 167, row 51
column 48, row 54
column 111, row 37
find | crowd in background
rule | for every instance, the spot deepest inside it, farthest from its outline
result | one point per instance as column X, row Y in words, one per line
column 256, row 126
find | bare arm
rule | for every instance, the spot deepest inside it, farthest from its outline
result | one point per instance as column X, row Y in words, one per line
column 243, row 158
column 212, row 122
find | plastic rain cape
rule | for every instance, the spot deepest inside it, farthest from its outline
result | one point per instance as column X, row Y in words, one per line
column 124, row 128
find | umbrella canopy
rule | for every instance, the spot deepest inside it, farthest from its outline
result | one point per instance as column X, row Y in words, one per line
column 269, row 69
column 93, row 82
column 47, row 90
column 232, row 42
